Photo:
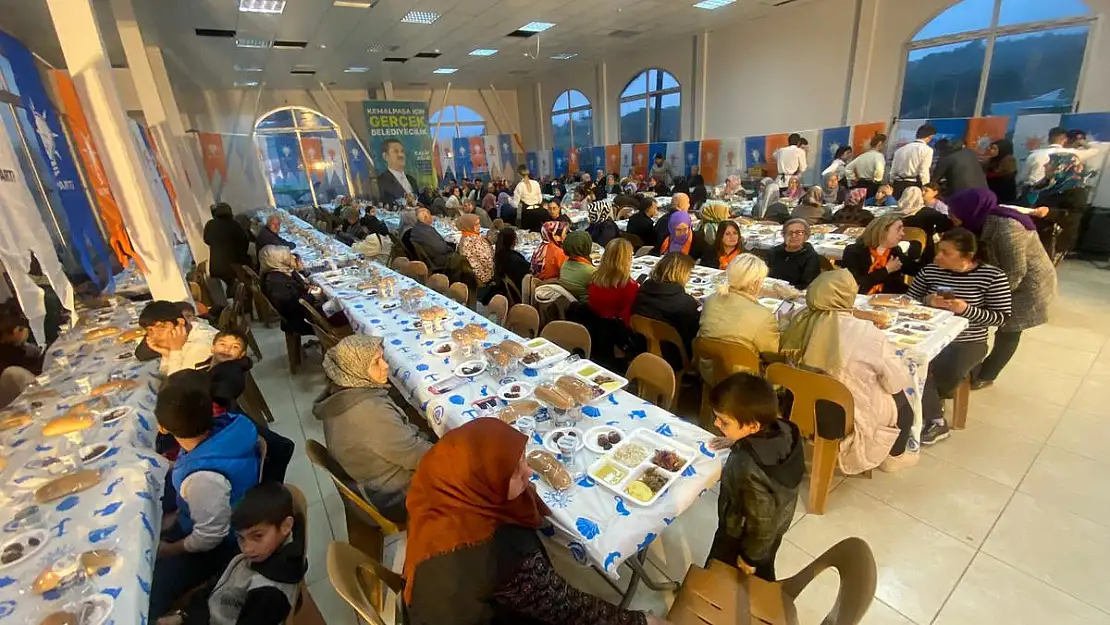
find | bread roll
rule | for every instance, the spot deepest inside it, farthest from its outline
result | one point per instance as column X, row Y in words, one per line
column 11, row 422
column 550, row 469
column 67, row 424
column 131, row 335
column 114, row 385
column 514, row 349
column 881, row 319
column 576, row 388
column 100, row 333
column 518, row 409
column 554, row 397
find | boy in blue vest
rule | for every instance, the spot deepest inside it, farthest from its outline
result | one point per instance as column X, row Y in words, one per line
column 219, row 462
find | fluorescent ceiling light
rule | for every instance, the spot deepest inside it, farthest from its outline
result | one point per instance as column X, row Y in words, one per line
column 356, row 70
column 354, row 4
column 240, row 68
column 420, row 17
column 564, row 56
column 246, row 83
column 483, row 52
column 262, row 6
column 713, row 4
column 536, row 27
column 376, row 47
column 252, row 42
column 445, row 70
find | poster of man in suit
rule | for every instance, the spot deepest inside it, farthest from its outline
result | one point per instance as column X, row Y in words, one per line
column 398, row 133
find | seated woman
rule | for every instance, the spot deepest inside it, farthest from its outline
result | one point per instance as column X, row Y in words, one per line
column 366, row 433
column 508, row 264
column 825, row 336
column 812, row 207
column 727, row 245
column 769, row 195
column 853, row 213
column 794, row 189
column 681, row 237
column 351, row 230
column 602, row 228
column 663, row 296
column 283, row 285
column 884, row 196
column 612, row 289
column 549, row 257
column 795, row 260
column 475, row 248
column 578, row 270
column 876, row 260
column 977, row 292
column 835, row 193
column 642, row 222
column 713, row 214
column 473, row 516
column 917, row 214
column 506, row 211
column 736, row 315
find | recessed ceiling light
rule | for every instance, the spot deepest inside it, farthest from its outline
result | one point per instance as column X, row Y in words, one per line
column 483, row 52
column 356, row 70
column 252, row 42
column 262, row 6
column 354, row 4
column 248, row 68
column 420, row 17
column 536, row 27
column 445, row 70
column 246, row 83
column 375, row 47
column 564, row 56
column 713, row 4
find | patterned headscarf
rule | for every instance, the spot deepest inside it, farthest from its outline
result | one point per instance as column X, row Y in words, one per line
column 348, row 363
column 794, row 193
column 767, row 197
column 549, row 232
column 1066, row 172
column 856, row 197
column 600, row 210
column 911, row 201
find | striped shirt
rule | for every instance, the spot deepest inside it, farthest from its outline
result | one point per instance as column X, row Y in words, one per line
column 984, row 288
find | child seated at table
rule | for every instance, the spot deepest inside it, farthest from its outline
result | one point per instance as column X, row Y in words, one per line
column 218, row 463
column 259, row 586
column 229, row 368
column 761, row 478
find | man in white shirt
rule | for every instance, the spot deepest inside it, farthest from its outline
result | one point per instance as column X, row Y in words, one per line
column 527, row 193
column 913, row 161
column 867, row 169
column 1034, row 171
column 394, row 183
column 791, row 159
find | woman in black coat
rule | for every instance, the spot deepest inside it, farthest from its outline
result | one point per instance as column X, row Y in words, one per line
column 227, row 245
column 876, row 261
column 509, row 264
column 663, row 296
column 284, row 287
column 795, row 260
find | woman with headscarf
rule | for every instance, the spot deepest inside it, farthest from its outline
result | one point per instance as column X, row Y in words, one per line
column 475, row 248
column 794, row 189
column 811, row 207
column 602, row 228
column 473, row 517
column 713, row 214
column 911, row 201
column 918, row 214
column 853, row 213
column 736, row 315
column 1008, row 240
column 506, row 210
column 698, row 197
column 1001, row 170
column 769, row 195
column 835, row 193
column 576, row 272
column 365, row 431
column 549, row 257
column 825, row 336
column 681, row 236
column 876, row 260
column 284, row 287
column 489, row 202
column 727, row 244
column 227, row 244
column 351, row 229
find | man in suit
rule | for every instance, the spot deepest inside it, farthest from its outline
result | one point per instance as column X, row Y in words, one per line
column 958, row 167
column 394, row 183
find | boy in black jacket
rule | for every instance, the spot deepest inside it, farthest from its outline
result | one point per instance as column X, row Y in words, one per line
column 760, row 481
column 229, row 367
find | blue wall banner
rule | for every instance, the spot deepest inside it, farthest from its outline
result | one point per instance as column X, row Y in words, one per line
column 755, row 151
column 533, row 164
column 692, row 150
column 559, row 158
column 359, row 166
column 508, row 155
column 832, row 139
column 461, row 147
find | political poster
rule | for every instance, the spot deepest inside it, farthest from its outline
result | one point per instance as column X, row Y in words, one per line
column 401, row 146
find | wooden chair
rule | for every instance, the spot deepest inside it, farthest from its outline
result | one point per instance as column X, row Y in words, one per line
column 658, row 332
column 439, row 283
column 528, row 289
column 366, row 526
column 253, row 403
column 498, row 309
column 635, row 240
column 727, row 358
column 808, row 388
column 655, row 381
column 305, row 611
column 723, row 594
column 417, row 270
column 399, row 264
column 294, row 350
column 523, row 320
column 960, row 404
column 358, row 578
column 571, row 336
column 460, row 293
column 328, row 334
column 643, row 251
column 266, row 311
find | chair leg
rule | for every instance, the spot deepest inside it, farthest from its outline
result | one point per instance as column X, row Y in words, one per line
column 293, row 347
column 309, row 613
column 370, row 540
column 253, row 344
column 821, row 473
column 959, row 404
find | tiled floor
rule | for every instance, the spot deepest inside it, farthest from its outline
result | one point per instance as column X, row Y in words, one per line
column 1007, row 521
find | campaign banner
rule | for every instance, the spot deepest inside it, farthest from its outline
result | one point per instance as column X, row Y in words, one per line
column 461, row 147
column 755, row 151
column 709, row 157
column 400, row 141
column 983, row 131
column 478, row 164
column 559, row 158
column 732, row 157
column 953, row 129
column 1031, row 132
column 359, row 167
column 641, row 158
column 508, row 156
column 572, row 160
column 314, row 157
column 775, row 143
column 832, row 139
column 170, row 220
column 212, row 153
column 613, row 160
column 153, row 147
column 676, row 158
column 533, row 163
column 904, row 131
column 492, row 146
column 545, row 162
column 333, row 156
column 862, row 134
column 660, row 149
column 626, row 160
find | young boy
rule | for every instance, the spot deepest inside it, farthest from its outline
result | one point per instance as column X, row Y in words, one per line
column 218, row 463
column 15, row 350
column 760, row 481
column 182, row 344
column 259, row 587
column 229, row 367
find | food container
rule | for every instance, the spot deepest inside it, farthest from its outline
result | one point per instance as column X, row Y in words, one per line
column 542, row 353
column 642, row 466
column 600, row 378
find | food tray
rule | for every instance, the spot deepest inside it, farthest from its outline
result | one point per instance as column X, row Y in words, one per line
column 650, row 442
column 543, row 347
column 600, row 377
column 936, row 315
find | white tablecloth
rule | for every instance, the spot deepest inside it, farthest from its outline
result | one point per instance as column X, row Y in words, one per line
column 315, row 249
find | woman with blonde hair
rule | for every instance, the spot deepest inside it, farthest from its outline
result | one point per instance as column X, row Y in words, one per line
column 876, row 261
column 736, row 315
column 612, row 289
column 663, row 296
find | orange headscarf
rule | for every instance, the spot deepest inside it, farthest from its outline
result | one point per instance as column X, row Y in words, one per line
column 878, row 261
column 458, row 496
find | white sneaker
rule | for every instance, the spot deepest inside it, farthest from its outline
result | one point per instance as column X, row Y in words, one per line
column 897, row 463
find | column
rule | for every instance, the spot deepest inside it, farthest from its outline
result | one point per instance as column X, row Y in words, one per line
column 83, row 48
column 542, row 118
column 701, row 78
column 601, row 105
column 859, row 70
column 158, row 113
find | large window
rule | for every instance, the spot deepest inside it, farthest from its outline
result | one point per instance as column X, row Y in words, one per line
column 997, row 57
column 303, row 157
column 572, row 121
column 457, row 121
column 651, row 108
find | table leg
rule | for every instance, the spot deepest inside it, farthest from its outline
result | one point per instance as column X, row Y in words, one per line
column 636, row 563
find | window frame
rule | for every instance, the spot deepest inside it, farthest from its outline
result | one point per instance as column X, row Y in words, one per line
column 650, row 92
column 991, row 35
column 296, row 129
column 434, row 128
column 569, row 110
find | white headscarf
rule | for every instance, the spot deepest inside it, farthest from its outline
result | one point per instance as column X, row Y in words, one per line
column 768, row 196
column 276, row 258
column 911, row 201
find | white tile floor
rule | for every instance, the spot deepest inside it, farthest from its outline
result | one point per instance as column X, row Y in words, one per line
column 1007, row 521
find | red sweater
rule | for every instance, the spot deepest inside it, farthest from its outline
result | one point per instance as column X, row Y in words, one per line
column 613, row 303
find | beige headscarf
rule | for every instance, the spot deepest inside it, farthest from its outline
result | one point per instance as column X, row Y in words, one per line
column 814, row 332
column 911, row 201
column 276, row 258
column 348, row 363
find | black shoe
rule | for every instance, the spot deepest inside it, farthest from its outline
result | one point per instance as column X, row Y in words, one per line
column 977, row 385
column 935, row 431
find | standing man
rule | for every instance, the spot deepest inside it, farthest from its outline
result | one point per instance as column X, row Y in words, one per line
column 958, row 168
column 913, row 161
column 661, row 171
column 867, row 169
column 1033, row 173
column 791, row 159
column 395, row 183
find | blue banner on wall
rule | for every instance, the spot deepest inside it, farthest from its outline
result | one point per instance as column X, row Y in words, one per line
column 508, row 155
column 356, row 159
column 692, row 151
column 1096, row 125
column 461, row 147
column 832, row 139
column 533, row 164
column 559, row 158
column 60, row 176
column 755, row 151
column 954, row 129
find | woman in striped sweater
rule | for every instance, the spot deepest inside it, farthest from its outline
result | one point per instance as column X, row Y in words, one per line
column 977, row 292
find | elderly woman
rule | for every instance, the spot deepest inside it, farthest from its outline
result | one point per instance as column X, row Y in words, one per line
column 284, row 287
column 835, row 193
column 826, row 336
column 578, row 270
column 769, row 196
column 811, row 207
column 506, row 211
column 794, row 189
column 351, row 230
column 877, row 262
column 727, row 245
column 366, row 432
column 473, row 521
column 736, row 315
column 548, row 259
column 475, row 248
column 663, row 296
column 681, row 237
column 713, row 214
column 795, row 260
column 680, row 203
column 1008, row 240
column 489, row 201
column 468, row 208
column 853, row 213
column 911, row 201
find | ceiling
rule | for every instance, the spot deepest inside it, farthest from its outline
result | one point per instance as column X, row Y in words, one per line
column 340, row 37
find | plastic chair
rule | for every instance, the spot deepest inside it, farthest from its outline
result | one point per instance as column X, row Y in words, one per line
column 439, row 283
column 654, row 378
column 523, row 320
column 417, row 270
column 358, row 577
column 643, row 251
column 727, row 357
column 658, row 332
column 460, row 293
column 305, row 611
column 808, row 388
column 498, row 309
column 399, row 264
column 916, row 235
column 569, row 335
column 528, row 289
column 826, row 263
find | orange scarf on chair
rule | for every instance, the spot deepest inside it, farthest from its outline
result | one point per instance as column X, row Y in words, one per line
column 878, row 261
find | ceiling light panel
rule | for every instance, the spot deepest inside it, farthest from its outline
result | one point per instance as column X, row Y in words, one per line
column 713, row 4
column 356, row 70
column 445, row 70
column 290, row 45
column 247, row 68
column 353, row 4
column 375, row 47
column 564, row 56
column 536, row 27
column 252, row 42
column 274, row 7
column 483, row 52
column 420, row 17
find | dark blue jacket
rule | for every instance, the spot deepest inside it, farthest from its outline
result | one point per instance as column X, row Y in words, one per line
column 231, row 450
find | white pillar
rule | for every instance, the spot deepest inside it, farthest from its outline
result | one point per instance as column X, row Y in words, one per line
column 860, row 72
column 83, row 48
column 601, row 106
column 701, row 79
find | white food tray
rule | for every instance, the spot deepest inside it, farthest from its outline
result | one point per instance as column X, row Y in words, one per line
column 651, row 442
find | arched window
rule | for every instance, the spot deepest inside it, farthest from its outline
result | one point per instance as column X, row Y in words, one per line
column 572, row 121
column 651, row 108
column 303, row 157
column 458, row 121
column 997, row 57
